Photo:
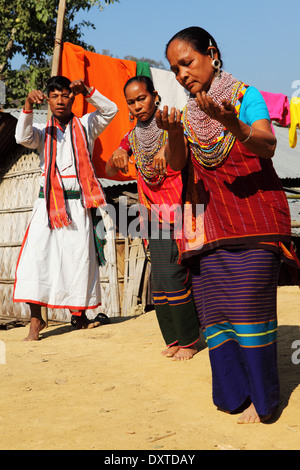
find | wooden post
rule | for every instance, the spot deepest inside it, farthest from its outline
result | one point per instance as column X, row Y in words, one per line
column 54, row 71
column 58, row 41
column 58, row 37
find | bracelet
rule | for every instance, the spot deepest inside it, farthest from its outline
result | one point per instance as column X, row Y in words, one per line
column 247, row 138
column 27, row 112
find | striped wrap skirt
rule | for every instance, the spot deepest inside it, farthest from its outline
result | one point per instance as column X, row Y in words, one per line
column 172, row 294
column 235, row 294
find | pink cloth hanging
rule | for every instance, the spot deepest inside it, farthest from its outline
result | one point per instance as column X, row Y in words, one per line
column 278, row 106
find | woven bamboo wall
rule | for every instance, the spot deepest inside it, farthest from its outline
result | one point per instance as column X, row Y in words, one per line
column 18, row 191
column 125, row 279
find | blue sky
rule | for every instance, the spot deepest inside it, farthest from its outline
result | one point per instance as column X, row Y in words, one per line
column 259, row 40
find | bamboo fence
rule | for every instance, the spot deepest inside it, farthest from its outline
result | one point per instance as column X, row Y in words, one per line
column 125, row 279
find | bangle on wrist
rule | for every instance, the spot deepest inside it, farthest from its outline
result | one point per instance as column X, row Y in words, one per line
column 27, row 111
column 247, row 138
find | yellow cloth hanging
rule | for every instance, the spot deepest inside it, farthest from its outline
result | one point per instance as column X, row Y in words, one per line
column 295, row 121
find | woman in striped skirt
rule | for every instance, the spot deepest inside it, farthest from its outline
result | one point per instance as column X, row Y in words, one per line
column 225, row 135
column 159, row 188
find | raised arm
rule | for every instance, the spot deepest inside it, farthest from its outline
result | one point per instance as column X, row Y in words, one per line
column 98, row 120
column 26, row 134
column 258, row 138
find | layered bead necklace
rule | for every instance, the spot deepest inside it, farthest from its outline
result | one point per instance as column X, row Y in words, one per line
column 209, row 140
column 146, row 139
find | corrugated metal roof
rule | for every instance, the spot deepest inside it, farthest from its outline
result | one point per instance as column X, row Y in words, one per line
column 294, row 205
column 106, row 183
column 286, row 160
column 39, row 115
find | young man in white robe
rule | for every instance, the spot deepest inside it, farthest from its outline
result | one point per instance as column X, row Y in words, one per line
column 58, row 265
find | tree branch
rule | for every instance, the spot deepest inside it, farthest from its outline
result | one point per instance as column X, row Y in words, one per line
column 8, row 48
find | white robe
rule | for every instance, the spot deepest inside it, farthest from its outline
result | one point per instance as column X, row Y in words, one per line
column 58, row 268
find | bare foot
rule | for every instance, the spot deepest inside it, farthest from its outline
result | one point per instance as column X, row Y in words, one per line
column 92, row 324
column 184, row 354
column 36, row 326
column 249, row 416
column 169, row 352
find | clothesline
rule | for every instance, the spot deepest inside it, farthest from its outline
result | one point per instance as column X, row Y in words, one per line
column 109, row 75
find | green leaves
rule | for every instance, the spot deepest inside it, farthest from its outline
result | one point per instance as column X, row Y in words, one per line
column 29, row 28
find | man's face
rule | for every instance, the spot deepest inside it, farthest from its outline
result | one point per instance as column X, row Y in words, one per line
column 61, row 104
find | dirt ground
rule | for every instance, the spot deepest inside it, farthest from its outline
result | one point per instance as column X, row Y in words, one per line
column 109, row 388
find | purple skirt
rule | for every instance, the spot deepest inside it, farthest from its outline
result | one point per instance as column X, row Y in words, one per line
column 236, row 298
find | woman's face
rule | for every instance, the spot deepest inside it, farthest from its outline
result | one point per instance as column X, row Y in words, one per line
column 193, row 70
column 140, row 102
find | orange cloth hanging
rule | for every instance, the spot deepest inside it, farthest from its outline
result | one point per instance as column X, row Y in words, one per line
column 109, row 76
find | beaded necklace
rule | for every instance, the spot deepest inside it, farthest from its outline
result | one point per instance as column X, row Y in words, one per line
column 209, row 140
column 146, row 139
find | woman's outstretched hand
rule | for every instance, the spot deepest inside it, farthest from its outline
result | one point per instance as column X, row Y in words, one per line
column 224, row 113
column 169, row 122
column 176, row 149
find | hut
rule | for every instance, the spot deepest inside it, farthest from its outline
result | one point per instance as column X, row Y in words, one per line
column 125, row 278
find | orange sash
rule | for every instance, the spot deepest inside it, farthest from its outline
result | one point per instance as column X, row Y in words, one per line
column 91, row 191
